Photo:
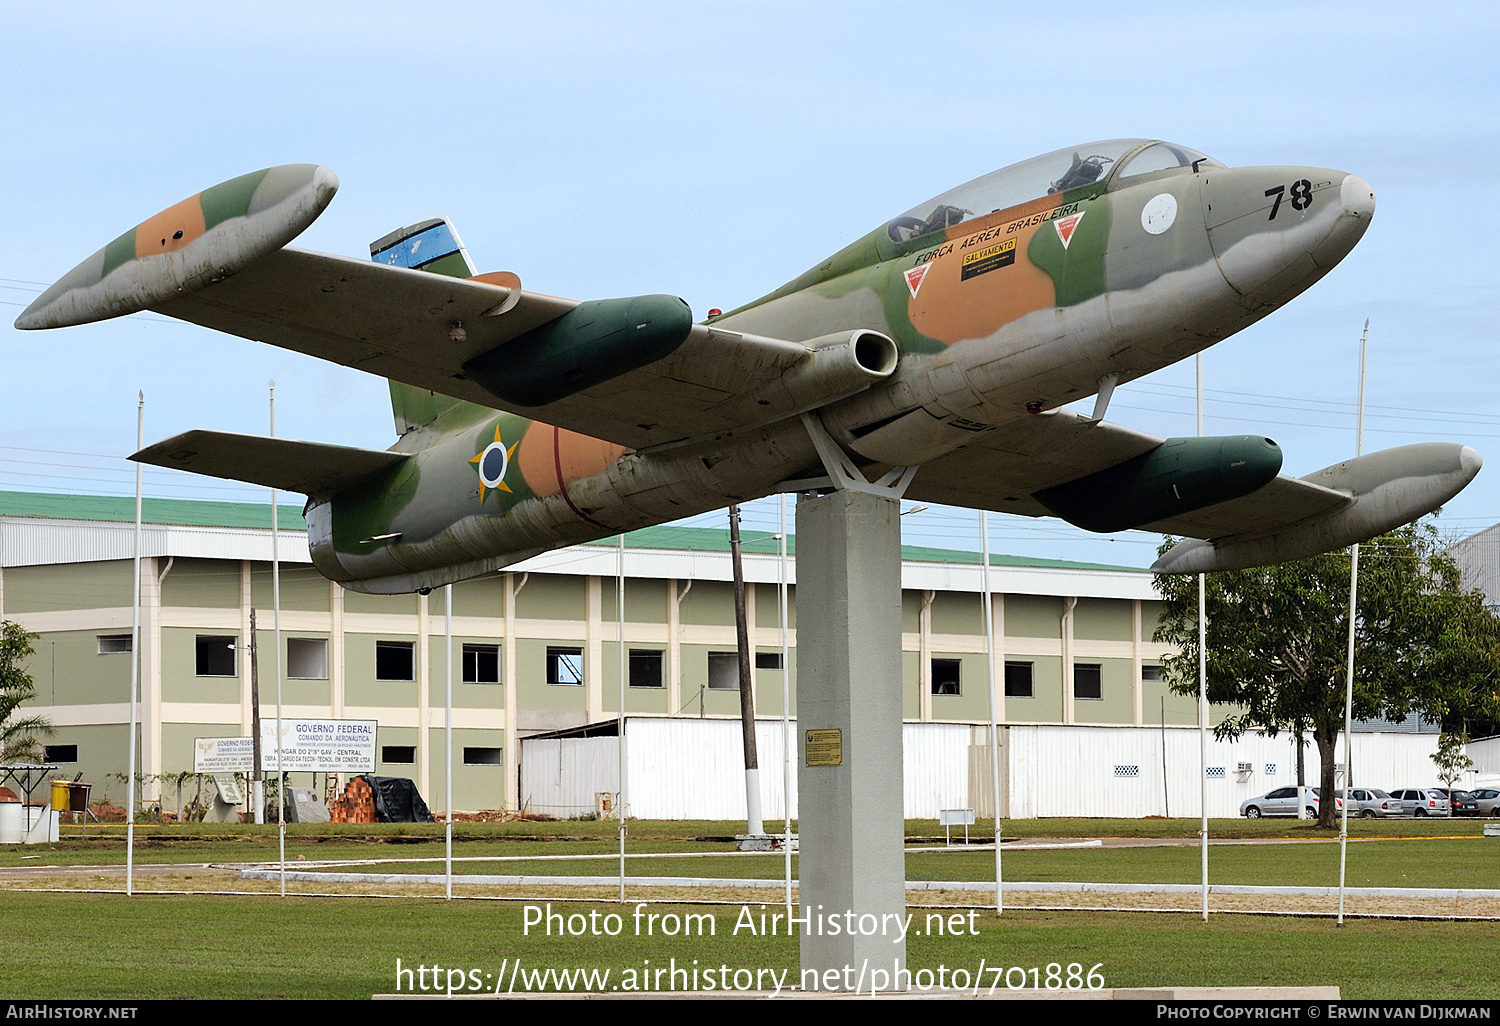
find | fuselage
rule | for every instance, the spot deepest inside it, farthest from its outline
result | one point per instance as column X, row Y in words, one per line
column 1008, row 296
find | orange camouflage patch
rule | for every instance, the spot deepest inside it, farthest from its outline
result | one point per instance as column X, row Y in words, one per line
column 537, row 462
column 551, row 459
column 171, row 229
column 951, row 307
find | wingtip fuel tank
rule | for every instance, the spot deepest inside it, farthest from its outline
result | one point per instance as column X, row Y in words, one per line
column 1387, row 489
column 201, row 240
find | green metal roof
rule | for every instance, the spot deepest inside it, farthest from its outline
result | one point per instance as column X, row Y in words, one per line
column 121, row 509
column 204, row 513
column 713, row 539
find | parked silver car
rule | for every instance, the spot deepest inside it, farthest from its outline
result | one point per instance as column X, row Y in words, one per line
column 1283, row 801
column 1370, row 802
column 1488, row 800
column 1421, row 801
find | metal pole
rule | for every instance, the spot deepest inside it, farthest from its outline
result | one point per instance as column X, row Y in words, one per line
column 786, row 716
column 448, row 739
column 1202, row 692
column 989, row 663
column 276, row 658
column 135, row 653
column 1359, row 448
column 754, row 825
column 620, row 727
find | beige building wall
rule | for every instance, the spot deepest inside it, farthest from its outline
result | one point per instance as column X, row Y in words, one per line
column 523, row 616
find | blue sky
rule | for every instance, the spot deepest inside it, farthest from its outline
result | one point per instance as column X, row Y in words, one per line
column 715, row 150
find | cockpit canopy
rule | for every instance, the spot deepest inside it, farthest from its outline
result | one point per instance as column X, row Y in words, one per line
column 1040, row 176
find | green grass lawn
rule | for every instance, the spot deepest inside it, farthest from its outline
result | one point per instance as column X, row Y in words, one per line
column 106, row 946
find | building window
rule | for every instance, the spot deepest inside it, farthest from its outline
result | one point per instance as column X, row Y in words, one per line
column 1216, row 773
column 481, row 664
column 115, row 644
column 646, row 668
column 215, row 655
column 1087, row 681
column 482, row 757
column 1128, row 772
column 1150, row 671
column 768, row 660
column 398, row 755
column 1018, row 680
column 946, row 676
column 307, row 658
column 723, row 671
column 62, row 753
column 395, row 660
column 564, row 666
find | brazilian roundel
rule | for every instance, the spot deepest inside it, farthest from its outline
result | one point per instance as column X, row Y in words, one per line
column 492, row 462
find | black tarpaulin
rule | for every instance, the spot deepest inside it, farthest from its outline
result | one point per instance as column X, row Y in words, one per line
column 397, row 800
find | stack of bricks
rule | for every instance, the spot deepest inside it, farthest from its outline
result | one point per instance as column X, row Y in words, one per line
column 357, row 805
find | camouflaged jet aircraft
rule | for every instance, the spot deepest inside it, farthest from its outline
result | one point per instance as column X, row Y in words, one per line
column 935, row 353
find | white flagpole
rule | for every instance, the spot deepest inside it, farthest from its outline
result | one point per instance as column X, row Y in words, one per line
column 448, row 737
column 620, row 728
column 276, row 658
column 1359, row 448
column 1202, row 692
column 989, row 663
column 786, row 721
column 135, row 653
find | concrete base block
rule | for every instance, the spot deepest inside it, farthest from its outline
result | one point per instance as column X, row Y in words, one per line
column 762, row 842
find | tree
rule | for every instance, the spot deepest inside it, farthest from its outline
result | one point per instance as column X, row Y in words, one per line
column 1451, row 759
column 1278, row 643
column 18, row 735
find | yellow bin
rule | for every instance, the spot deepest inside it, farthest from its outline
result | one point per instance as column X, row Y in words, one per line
column 60, row 795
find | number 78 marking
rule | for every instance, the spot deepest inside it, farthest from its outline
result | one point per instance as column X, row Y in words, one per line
column 1301, row 196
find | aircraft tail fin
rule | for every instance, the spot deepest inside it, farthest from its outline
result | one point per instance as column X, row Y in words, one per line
column 431, row 245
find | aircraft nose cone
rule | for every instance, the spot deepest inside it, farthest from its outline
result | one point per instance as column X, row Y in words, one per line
column 1357, row 203
column 1276, row 230
column 1357, row 196
column 1470, row 461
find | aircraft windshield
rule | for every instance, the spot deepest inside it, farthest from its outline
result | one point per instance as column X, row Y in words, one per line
column 1040, row 176
column 1164, row 156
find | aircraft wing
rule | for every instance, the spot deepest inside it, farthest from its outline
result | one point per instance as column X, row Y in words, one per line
column 1003, row 469
column 633, row 371
column 1288, row 518
column 425, row 329
column 389, row 321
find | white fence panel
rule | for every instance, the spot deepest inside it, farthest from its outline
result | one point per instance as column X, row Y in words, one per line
column 1486, row 756
column 694, row 769
column 560, row 776
column 934, row 768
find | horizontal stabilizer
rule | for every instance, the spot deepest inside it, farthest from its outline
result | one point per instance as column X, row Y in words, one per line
column 310, row 468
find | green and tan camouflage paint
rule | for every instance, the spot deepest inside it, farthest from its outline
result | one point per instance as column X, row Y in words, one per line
column 1006, row 314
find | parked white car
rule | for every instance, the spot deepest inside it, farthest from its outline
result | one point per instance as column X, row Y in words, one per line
column 1370, row 802
column 1421, row 801
column 1283, row 801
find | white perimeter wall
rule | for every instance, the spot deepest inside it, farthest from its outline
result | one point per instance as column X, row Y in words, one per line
column 1070, row 771
column 693, row 769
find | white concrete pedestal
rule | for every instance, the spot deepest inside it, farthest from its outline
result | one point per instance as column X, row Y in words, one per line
column 851, row 829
